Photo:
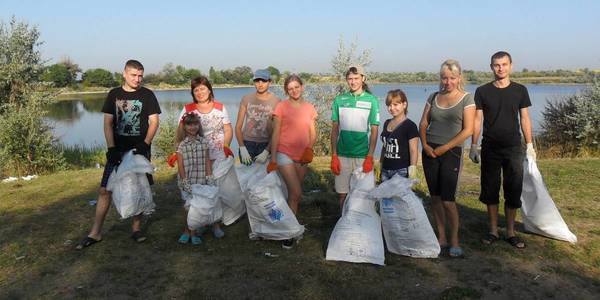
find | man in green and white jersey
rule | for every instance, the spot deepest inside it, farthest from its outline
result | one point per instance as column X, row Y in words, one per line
column 355, row 117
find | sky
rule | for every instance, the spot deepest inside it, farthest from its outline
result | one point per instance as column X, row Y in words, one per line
column 303, row 36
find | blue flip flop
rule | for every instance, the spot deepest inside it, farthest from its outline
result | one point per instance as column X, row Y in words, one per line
column 184, row 238
column 196, row 240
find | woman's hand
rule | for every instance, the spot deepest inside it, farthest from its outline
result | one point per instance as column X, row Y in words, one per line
column 439, row 151
column 429, row 151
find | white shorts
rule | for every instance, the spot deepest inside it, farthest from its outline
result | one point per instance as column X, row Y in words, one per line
column 348, row 164
column 283, row 159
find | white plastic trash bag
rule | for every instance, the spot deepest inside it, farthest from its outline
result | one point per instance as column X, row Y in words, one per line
column 406, row 228
column 130, row 188
column 269, row 215
column 540, row 214
column 204, row 206
column 357, row 235
column 230, row 192
column 246, row 173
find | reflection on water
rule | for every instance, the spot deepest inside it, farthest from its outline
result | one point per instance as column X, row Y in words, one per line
column 79, row 121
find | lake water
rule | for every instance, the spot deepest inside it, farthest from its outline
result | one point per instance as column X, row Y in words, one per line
column 80, row 121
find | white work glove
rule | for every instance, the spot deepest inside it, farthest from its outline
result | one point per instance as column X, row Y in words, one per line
column 210, row 180
column 474, row 154
column 531, row 156
column 245, row 156
column 262, row 157
column 412, row 171
column 184, row 185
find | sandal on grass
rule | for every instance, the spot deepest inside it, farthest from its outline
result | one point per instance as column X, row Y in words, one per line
column 184, row 238
column 516, row 242
column 138, row 236
column 489, row 239
column 196, row 240
column 456, row 252
column 86, row 242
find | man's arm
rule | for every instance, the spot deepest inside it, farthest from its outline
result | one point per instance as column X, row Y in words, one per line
column 153, row 121
column 108, row 130
column 477, row 127
column 526, row 125
column 373, row 139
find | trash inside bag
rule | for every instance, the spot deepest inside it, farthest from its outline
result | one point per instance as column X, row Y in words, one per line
column 357, row 235
column 230, row 192
column 204, row 206
column 406, row 228
column 129, row 185
column 538, row 210
column 269, row 215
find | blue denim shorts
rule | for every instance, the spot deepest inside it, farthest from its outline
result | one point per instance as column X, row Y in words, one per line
column 388, row 174
column 255, row 148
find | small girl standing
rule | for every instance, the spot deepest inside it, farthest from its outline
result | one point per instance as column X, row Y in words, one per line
column 400, row 139
column 194, row 166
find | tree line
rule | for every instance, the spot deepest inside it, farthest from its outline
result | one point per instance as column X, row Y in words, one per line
column 66, row 73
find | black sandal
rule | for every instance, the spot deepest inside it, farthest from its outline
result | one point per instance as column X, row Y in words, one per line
column 86, row 242
column 489, row 239
column 516, row 242
column 138, row 236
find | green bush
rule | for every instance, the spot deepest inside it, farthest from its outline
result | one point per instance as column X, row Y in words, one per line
column 57, row 74
column 98, row 77
column 571, row 124
column 164, row 142
column 81, row 156
column 28, row 146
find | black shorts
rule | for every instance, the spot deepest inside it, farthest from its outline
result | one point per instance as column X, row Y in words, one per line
column 108, row 168
column 509, row 162
column 442, row 172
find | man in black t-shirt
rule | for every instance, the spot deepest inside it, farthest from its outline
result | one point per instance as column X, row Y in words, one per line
column 503, row 106
column 130, row 122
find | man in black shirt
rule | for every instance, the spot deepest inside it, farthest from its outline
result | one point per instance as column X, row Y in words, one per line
column 130, row 122
column 503, row 106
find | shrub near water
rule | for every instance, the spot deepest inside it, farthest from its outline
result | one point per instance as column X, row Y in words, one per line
column 571, row 125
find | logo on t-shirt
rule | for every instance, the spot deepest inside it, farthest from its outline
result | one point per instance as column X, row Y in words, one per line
column 363, row 104
column 128, row 117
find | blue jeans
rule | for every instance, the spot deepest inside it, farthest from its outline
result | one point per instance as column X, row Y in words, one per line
column 255, row 148
column 388, row 174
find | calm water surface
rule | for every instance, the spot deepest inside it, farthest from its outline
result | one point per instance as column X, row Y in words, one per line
column 80, row 121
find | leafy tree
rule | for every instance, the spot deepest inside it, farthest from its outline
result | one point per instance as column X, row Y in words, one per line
column 26, row 142
column 58, row 74
column 275, row 74
column 98, row 77
column 347, row 56
column 73, row 68
column 216, row 77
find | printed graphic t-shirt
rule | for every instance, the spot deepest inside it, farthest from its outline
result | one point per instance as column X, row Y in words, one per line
column 257, row 121
column 355, row 116
column 294, row 135
column 396, row 151
column 130, row 112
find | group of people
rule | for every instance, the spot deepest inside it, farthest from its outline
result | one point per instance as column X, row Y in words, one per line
column 283, row 132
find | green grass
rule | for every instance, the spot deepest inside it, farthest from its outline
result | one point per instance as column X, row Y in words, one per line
column 41, row 220
column 79, row 156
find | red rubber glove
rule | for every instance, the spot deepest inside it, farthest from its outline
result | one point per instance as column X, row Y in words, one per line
column 172, row 159
column 368, row 164
column 272, row 166
column 227, row 151
column 336, row 167
column 307, row 156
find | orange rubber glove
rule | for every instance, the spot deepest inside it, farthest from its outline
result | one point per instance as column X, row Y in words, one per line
column 336, row 167
column 307, row 156
column 368, row 164
column 227, row 151
column 172, row 159
column 272, row 166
